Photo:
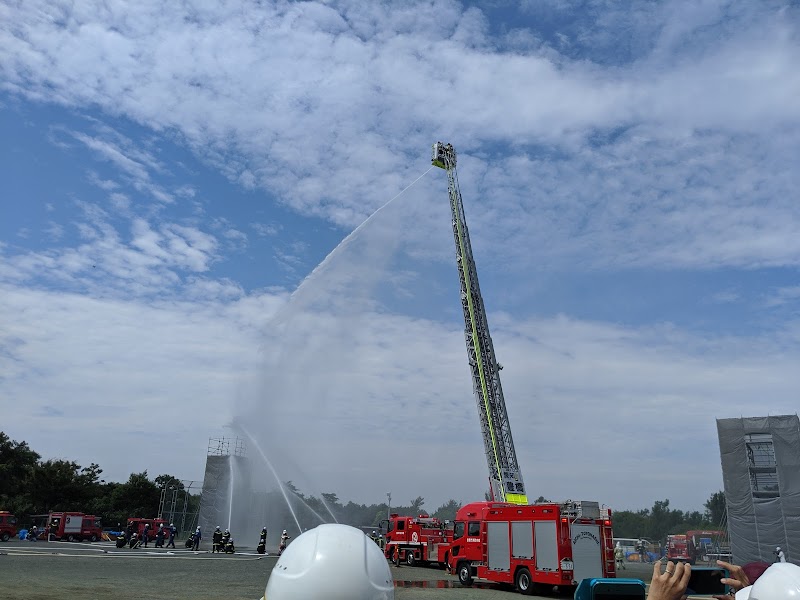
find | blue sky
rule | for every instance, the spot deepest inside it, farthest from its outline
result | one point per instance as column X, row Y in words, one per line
column 173, row 173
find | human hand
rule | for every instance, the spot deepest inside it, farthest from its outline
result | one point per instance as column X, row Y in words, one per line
column 671, row 584
column 738, row 578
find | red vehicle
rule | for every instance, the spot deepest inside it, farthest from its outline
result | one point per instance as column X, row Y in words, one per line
column 8, row 525
column 138, row 523
column 532, row 545
column 413, row 540
column 72, row 526
column 694, row 545
column 678, row 549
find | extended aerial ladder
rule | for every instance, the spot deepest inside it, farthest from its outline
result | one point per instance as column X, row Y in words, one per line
column 504, row 475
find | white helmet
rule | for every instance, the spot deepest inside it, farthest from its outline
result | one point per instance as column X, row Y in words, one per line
column 332, row 561
column 780, row 582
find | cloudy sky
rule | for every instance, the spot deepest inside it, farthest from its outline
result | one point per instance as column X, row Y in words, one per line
column 174, row 176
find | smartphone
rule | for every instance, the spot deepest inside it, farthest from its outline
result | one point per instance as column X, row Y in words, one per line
column 707, row 581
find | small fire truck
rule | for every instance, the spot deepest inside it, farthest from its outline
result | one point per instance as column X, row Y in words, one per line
column 532, row 546
column 8, row 525
column 138, row 523
column 693, row 546
column 73, row 526
column 413, row 540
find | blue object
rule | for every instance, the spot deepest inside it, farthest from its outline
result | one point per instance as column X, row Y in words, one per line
column 23, row 533
column 595, row 588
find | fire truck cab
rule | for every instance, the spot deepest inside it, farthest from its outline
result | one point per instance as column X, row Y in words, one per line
column 8, row 525
column 73, row 526
column 532, row 546
column 138, row 523
column 413, row 540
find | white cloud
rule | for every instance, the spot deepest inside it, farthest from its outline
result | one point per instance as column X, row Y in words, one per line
column 333, row 104
column 382, row 381
column 663, row 137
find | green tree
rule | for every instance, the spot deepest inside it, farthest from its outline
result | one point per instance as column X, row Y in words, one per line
column 447, row 511
column 137, row 497
column 17, row 463
column 416, row 504
column 716, row 509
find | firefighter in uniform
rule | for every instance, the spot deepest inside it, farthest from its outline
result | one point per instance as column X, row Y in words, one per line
column 284, row 540
column 216, row 540
column 225, row 539
column 262, row 541
column 619, row 556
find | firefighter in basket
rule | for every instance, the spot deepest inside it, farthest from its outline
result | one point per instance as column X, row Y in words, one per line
column 285, row 537
column 262, row 541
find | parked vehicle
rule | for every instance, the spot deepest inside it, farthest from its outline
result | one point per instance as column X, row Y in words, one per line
column 413, row 540
column 8, row 525
column 138, row 523
column 532, row 546
column 71, row 526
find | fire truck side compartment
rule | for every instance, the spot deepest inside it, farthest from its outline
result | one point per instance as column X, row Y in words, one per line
column 499, row 553
column 522, row 539
column 546, row 547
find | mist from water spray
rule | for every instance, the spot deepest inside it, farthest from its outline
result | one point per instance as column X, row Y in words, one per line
column 274, row 472
column 315, row 513
column 328, row 508
column 232, row 464
column 330, row 303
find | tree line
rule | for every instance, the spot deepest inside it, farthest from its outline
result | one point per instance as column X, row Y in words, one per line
column 31, row 486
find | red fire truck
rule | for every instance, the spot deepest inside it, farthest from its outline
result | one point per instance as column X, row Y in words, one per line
column 413, row 540
column 72, row 526
column 138, row 523
column 694, row 545
column 532, row 546
column 8, row 525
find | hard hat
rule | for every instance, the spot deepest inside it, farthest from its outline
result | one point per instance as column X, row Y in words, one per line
column 780, row 582
column 778, row 549
column 284, row 531
column 334, row 561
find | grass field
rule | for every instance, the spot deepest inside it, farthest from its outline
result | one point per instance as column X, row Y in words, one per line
column 54, row 571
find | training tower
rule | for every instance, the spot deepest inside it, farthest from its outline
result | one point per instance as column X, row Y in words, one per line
column 226, row 495
column 761, row 474
column 505, row 477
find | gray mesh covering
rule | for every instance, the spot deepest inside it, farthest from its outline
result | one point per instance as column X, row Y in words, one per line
column 241, row 509
column 761, row 475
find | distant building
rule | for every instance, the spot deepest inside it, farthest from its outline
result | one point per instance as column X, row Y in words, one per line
column 761, row 475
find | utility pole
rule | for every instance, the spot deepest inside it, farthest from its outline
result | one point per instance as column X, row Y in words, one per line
column 388, row 505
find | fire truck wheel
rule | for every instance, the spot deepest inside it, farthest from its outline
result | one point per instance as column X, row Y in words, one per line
column 410, row 560
column 464, row 573
column 93, row 538
column 4, row 537
column 70, row 538
column 524, row 583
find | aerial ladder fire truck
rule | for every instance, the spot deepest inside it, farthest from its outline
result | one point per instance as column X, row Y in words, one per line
column 506, row 539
